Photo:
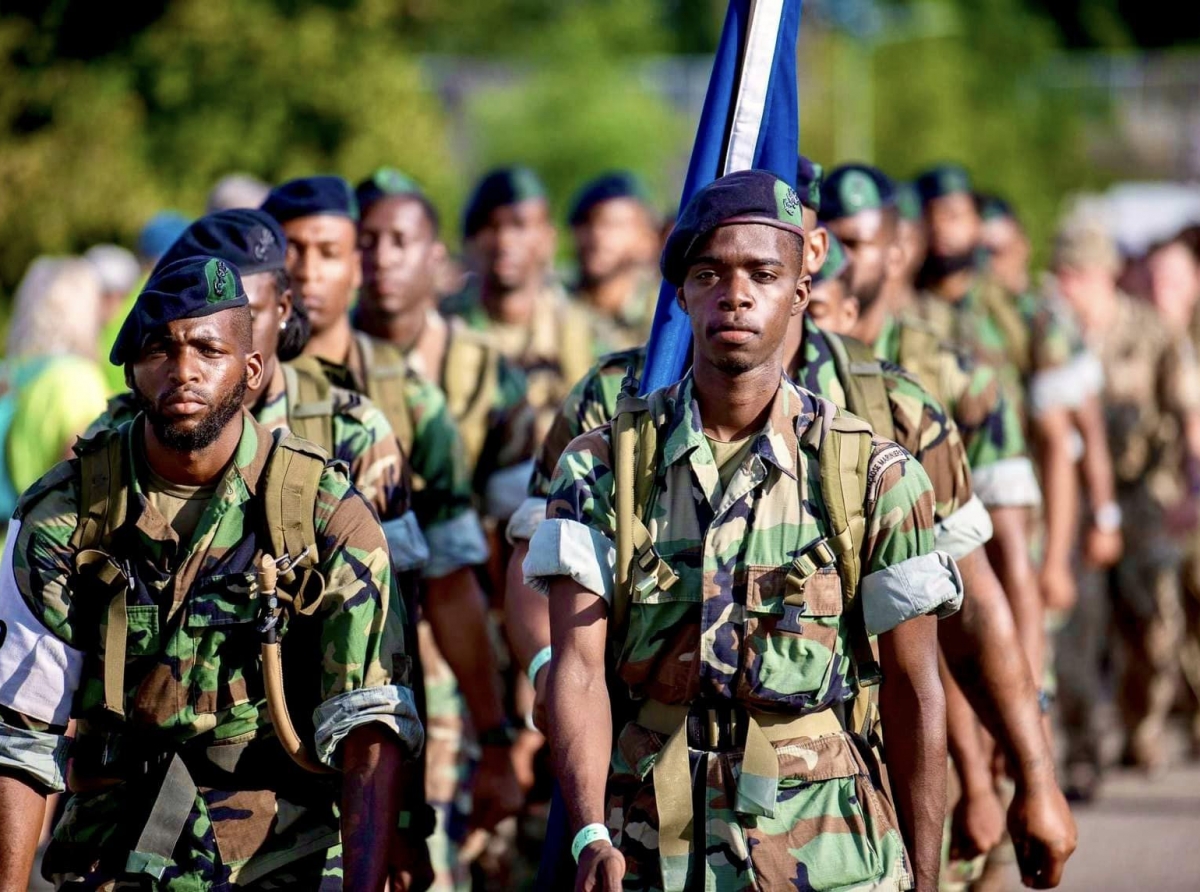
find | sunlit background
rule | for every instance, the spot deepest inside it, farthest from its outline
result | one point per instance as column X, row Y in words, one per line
column 111, row 112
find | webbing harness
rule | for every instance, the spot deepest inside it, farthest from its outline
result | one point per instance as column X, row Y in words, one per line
column 844, row 451
column 919, row 352
column 471, row 373
column 291, row 482
column 309, row 401
column 385, row 369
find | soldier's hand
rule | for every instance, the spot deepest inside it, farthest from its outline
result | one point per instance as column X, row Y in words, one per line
column 409, row 866
column 1103, row 547
column 601, row 868
column 1058, row 586
column 977, row 825
column 1043, row 834
column 497, row 793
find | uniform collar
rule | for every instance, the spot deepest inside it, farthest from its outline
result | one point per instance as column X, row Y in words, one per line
column 793, row 412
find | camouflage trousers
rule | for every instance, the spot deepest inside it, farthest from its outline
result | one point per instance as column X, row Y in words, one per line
column 1137, row 603
column 448, row 765
column 832, row 828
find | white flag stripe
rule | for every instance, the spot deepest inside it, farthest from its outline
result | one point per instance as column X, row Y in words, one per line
column 757, row 62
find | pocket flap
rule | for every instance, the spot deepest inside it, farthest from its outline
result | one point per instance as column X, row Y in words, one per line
column 226, row 600
column 766, row 589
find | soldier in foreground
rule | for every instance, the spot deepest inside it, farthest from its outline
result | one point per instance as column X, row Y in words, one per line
column 134, row 590
column 740, row 629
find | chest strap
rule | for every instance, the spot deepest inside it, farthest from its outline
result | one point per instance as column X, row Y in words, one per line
column 757, row 785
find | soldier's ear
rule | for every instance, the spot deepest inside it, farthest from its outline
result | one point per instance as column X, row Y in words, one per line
column 129, row 375
column 800, row 298
column 679, row 299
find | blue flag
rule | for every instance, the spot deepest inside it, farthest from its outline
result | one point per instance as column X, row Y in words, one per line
column 751, row 119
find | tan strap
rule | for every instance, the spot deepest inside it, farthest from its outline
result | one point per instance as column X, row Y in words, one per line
column 470, row 380
column 666, row 718
column 293, row 482
column 385, row 370
column 281, row 720
column 861, row 374
column 1001, row 307
column 920, row 352
column 309, row 402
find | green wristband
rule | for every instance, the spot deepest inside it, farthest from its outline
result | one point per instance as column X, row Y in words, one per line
column 586, row 837
column 535, row 665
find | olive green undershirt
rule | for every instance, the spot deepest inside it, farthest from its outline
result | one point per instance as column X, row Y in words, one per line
column 729, row 456
column 181, row 506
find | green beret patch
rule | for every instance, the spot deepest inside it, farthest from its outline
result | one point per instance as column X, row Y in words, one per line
column 221, row 284
column 858, row 192
column 788, row 204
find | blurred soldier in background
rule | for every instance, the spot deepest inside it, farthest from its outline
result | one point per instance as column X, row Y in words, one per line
column 1152, row 409
column 615, row 231
column 237, row 190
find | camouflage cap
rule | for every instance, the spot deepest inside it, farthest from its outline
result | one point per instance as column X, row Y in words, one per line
column 184, row 289
column 809, row 176
column 943, row 180
column 836, row 262
column 382, row 183
column 608, row 187
column 500, row 188
column 908, row 203
column 250, row 240
column 312, row 197
column 853, row 188
column 747, row 196
column 1085, row 245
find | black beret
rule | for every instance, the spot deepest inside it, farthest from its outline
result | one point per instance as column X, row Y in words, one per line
column 747, row 196
column 250, row 240
column 852, row 188
column 610, row 186
column 384, row 182
column 500, row 188
column 808, row 182
column 312, row 197
column 184, row 289
column 993, row 207
column 945, row 179
column 908, row 202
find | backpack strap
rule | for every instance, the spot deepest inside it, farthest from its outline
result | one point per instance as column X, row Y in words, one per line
column 576, row 353
column 919, row 353
column 470, row 378
column 385, row 370
column 103, row 507
column 309, row 403
column 292, row 486
column 1001, row 306
column 844, row 456
column 861, row 375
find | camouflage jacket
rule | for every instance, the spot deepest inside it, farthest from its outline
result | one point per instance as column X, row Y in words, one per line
column 1001, row 471
column 555, row 350
column 921, row 425
column 721, row 631
column 193, row 679
column 631, row 327
column 362, row 439
column 1151, row 387
column 1040, row 356
column 416, row 409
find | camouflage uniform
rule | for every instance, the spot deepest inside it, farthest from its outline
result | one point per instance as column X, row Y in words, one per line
column 629, row 328
column 192, row 679
column 721, row 635
column 1150, row 386
column 555, row 350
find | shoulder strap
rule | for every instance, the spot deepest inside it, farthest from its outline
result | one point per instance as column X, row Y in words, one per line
column 385, row 370
column 844, row 456
column 575, row 353
column 919, row 353
column 292, row 486
column 309, row 404
column 1001, row 306
column 862, row 377
column 470, row 382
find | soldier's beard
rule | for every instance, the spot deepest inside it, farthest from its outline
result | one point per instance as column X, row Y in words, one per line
column 172, row 433
column 940, row 266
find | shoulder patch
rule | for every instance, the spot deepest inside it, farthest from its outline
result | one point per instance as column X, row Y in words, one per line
column 887, row 456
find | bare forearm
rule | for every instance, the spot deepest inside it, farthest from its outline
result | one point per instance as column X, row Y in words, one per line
column 526, row 612
column 457, row 613
column 21, row 812
column 1009, row 552
column 913, row 709
column 1060, row 485
column 1097, row 467
column 981, row 648
column 962, row 735
column 371, row 784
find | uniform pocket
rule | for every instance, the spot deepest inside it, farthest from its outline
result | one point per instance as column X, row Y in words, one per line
column 662, row 640
column 791, row 639
column 222, row 613
column 143, row 637
column 824, row 832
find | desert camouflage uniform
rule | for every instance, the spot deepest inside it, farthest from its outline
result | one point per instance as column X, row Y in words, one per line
column 721, row 635
column 192, row 678
column 1150, row 389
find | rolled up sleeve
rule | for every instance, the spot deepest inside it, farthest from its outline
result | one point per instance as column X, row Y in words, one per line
column 389, row 705
column 963, row 531
column 455, row 543
column 920, row 586
column 569, row 548
column 506, row 489
column 39, row 755
column 406, row 543
column 1007, row 483
column 1065, row 386
column 525, row 520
